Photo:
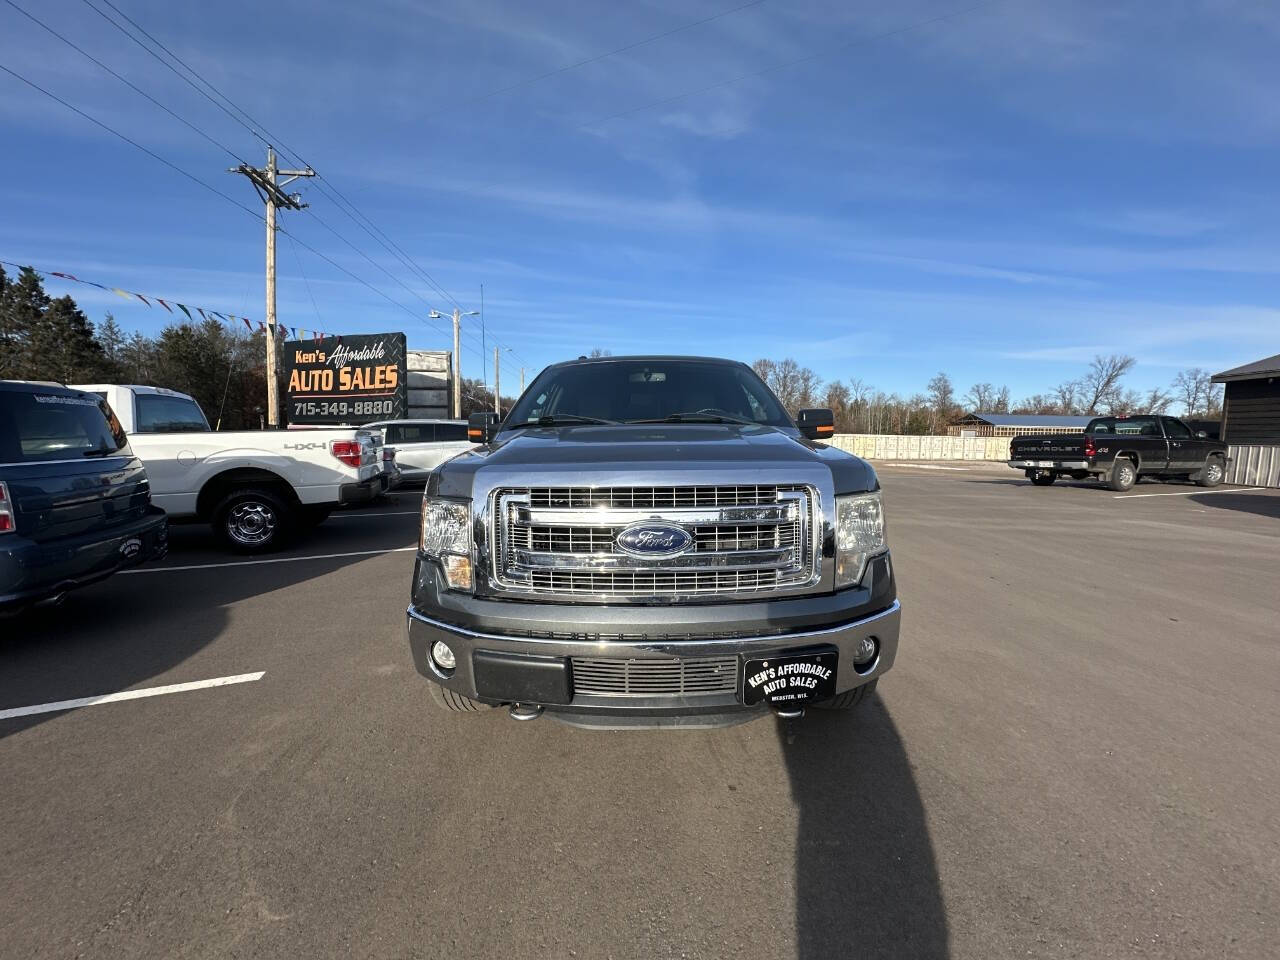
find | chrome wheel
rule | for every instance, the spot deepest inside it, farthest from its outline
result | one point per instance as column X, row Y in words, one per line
column 1213, row 472
column 251, row 523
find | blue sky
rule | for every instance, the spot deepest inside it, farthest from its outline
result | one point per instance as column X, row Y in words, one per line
column 999, row 194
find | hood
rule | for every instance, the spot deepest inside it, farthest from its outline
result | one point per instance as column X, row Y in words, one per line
column 675, row 452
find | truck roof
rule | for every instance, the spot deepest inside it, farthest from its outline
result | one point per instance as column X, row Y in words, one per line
column 655, row 357
column 135, row 387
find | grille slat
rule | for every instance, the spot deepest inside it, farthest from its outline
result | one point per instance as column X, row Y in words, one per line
column 622, row 677
column 747, row 539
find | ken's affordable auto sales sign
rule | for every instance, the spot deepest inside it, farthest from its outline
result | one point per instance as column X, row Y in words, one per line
column 347, row 379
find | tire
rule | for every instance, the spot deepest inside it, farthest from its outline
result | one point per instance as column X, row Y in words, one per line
column 1042, row 478
column 455, row 702
column 1123, row 475
column 253, row 520
column 850, row 699
column 1213, row 472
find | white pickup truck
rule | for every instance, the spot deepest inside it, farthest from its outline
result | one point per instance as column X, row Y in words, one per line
column 254, row 486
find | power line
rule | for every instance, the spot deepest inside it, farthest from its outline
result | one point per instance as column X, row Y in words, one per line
column 529, row 81
column 133, row 143
column 124, row 80
column 253, row 126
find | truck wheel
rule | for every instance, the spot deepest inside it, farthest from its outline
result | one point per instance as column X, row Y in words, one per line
column 253, row 520
column 455, row 702
column 1123, row 475
column 1042, row 478
column 1212, row 473
column 849, row 699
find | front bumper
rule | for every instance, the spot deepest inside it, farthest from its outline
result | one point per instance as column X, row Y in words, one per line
column 537, row 640
column 37, row 570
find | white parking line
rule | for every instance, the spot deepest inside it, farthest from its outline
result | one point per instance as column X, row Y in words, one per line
column 130, row 695
column 1184, row 493
column 250, row 563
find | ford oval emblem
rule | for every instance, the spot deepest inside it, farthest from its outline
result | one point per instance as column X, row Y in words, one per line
column 654, row 539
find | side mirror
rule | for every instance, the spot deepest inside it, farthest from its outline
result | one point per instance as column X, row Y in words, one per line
column 482, row 426
column 1202, row 435
column 816, row 424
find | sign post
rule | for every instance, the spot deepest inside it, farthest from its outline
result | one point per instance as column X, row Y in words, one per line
column 347, row 379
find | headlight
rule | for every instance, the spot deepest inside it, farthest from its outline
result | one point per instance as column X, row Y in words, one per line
column 446, row 536
column 859, row 535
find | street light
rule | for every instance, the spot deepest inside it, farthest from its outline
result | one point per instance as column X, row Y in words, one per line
column 457, row 354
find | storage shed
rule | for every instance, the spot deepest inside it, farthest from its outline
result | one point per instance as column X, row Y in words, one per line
column 1251, row 402
column 1251, row 421
column 1014, row 424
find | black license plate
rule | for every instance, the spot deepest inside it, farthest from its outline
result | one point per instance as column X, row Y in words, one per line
column 790, row 678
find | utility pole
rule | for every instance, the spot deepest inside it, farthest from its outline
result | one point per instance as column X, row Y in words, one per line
column 522, row 381
column 268, row 187
column 484, row 352
column 497, row 390
column 457, row 363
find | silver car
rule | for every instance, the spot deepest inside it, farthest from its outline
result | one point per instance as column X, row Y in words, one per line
column 422, row 445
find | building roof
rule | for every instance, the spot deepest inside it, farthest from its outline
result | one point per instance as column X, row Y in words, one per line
column 1027, row 419
column 1266, row 367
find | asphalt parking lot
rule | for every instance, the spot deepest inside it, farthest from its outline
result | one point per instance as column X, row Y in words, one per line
column 1075, row 756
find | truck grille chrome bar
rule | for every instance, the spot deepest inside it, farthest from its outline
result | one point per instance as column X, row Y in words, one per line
column 637, row 678
column 742, row 540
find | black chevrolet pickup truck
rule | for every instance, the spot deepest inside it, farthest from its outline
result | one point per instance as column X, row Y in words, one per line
column 1118, row 450
column 651, row 541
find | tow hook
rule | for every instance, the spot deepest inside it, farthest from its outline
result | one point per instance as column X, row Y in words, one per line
column 789, row 713
column 525, row 711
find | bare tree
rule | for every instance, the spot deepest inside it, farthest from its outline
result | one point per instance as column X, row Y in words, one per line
column 1065, row 398
column 1156, row 401
column 794, row 386
column 980, row 398
column 1100, row 385
column 941, row 399
column 597, row 352
column 1192, row 388
column 1001, row 402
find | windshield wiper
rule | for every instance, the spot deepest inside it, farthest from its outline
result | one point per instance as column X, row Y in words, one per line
column 562, row 420
column 699, row 416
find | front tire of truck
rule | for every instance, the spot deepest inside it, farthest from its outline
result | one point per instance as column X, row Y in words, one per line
column 1042, row 478
column 456, row 702
column 850, row 699
column 1212, row 473
column 1124, row 474
column 254, row 520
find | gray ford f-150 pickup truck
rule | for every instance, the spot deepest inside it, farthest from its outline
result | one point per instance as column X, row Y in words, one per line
column 652, row 541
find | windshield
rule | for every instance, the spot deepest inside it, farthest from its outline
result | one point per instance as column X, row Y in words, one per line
column 635, row 391
column 1129, row 426
column 158, row 413
column 47, row 426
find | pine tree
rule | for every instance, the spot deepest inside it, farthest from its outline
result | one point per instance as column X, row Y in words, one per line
column 111, row 337
column 62, row 346
column 22, row 304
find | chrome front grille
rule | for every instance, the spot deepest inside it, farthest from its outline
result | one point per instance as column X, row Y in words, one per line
column 636, row 678
column 745, row 539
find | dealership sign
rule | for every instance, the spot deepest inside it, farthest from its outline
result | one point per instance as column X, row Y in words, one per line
column 347, row 379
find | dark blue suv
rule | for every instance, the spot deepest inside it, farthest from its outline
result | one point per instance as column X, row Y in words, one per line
column 75, row 503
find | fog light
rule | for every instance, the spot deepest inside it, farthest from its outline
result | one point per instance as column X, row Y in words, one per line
column 443, row 656
column 866, row 651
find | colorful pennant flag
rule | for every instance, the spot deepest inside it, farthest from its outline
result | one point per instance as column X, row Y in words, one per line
column 143, row 299
column 119, row 293
column 247, row 324
column 183, row 308
column 163, row 304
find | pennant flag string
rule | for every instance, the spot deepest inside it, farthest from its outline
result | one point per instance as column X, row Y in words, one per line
column 279, row 329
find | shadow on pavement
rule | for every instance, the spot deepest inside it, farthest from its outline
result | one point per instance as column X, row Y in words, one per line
column 127, row 629
column 1260, row 504
column 866, row 881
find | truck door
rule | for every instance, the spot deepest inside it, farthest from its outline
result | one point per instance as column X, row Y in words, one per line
column 1183, row 450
